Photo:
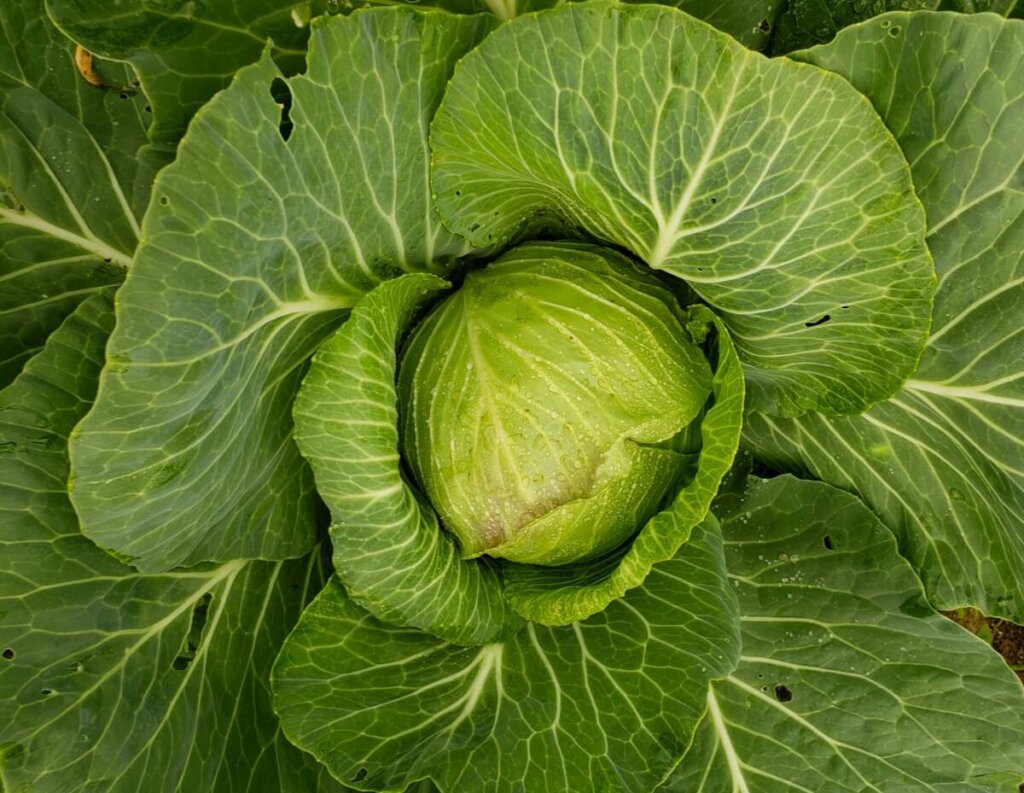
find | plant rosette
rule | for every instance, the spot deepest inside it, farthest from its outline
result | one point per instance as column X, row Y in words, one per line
column 417, row 448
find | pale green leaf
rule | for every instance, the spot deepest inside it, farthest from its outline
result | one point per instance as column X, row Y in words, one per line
column 556, row 596
column 587, row 706
column 771, row 188
column 112, row 680
column 941, row 462
column 255, row 248
column 389, row 548
column 848, row 680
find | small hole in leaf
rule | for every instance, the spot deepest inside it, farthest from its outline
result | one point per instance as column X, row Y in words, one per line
column 194, row 638
column 164, row 200
column 844, row 307
column 283, row 96
column 783, row 694
column 819, row 321
column 764, row 26
column 714, row 200
column 107, row 260
column 148, row 109
column 124, row 95
column 46, row 692
column 8, row 653
column 360, row 775
column 827, row 542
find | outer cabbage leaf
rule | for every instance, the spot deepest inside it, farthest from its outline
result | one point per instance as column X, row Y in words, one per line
column 560, row 595
column 848, row 680
column 184, row 52
column 75, row 174
column 941, row 462
column 389, row 548
column 255, row 248
column 771, row 188
column 810, row 22
column 113, row 680
column 587, row 706
column 750, row 22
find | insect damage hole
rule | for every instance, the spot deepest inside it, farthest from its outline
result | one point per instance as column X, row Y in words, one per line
column 827, row 542
column 8, row 653
column 282, row 94
column 783, row 694
column 194, row 637
column 818, row 321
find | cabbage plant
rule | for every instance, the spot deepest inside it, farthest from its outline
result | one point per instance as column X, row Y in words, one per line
column 514, row 397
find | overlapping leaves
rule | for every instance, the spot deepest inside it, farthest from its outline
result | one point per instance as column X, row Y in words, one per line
column 112, row 680
column 256, row 248
column 75, row 174
column 941, row 460
column 772, row 189
column 848, row 680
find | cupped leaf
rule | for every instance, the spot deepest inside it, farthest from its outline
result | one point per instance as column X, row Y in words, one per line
column 389, row 549
column 75, row 173
column 112, row 680
column 256, row 247
column 557, row 596
column 770, row 187
column 848, row 680
column 539, row 403
column 941, row 461
column 608, row 704
column 184, row 52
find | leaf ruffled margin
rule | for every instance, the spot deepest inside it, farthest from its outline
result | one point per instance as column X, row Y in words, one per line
column 389, row 549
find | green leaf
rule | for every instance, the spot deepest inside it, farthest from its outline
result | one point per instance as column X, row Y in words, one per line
column 389, row 548
column 255, row 249
column 750, row 22
column 556, row 596
column 184, row 52
column 112, row 680
column 771, row 188
column 848, row 680
column 941, row 461
column 75, row 174
column 809, row 22
column 383, row 706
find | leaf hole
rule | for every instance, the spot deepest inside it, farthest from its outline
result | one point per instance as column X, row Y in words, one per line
column 8, row 653
column 819, row 321
column 282, row 94
column 164, row 200
column 827, row 542
column 194, row 638
column 764, row 26
column 783, row 694
column 844, row 307
column 46, row 692
column 147, row 109
column 714, row 200
column 360, row 775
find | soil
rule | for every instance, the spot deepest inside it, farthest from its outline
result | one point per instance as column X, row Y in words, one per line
column 1006, row 638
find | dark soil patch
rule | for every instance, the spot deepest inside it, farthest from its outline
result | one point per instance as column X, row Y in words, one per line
column 1006, row 638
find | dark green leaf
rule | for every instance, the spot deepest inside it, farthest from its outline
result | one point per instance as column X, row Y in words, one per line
column 849, row 681
column 112, row 680
column 941, row 462
column 255, row 249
